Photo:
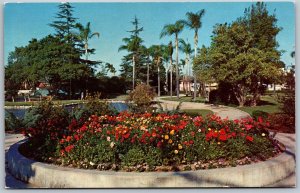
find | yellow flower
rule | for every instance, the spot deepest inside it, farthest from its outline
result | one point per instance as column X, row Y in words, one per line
column 170, row 141
column 176, row 151
column 219, row 143
column 179, row 146
column 209, row 129
column 263, row 134
column 166, row 137
column 172, row 132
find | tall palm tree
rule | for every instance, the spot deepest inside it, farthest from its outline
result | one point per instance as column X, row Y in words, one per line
column 167, row 55
column 194, row 22
column 156, row 52
column 186, row 48
column 85, row 34
column 174, row 29
column 132, row 45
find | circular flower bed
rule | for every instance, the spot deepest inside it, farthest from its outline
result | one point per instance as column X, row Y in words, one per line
column 152, row 142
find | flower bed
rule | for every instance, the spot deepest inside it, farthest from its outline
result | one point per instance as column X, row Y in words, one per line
column 155, row 142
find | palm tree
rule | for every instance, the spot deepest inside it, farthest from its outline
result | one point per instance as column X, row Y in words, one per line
column 132, row 45
column 110, row 68
column 156, row 52
column 174, row 29
column 146, row 52
column 167, row 56
column 186, row 48
column 85, row 35
column 194, row 22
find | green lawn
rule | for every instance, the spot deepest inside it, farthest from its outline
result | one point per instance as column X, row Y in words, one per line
column 268, row 104
column 202, row 112
column 184, row 99
column 33, row 103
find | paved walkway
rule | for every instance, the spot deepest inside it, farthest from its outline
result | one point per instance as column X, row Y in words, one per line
column 10, row 181
column 222, row 111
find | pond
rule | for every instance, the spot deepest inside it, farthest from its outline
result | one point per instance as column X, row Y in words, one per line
column 20, row 112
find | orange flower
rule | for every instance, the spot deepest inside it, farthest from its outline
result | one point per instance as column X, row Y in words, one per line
column 172, row 132
column 166, row 137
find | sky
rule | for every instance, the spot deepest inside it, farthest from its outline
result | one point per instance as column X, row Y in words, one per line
column 24, row 21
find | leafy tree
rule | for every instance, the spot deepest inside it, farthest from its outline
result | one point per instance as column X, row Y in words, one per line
column 65, row 23
column 194, row 22
column 235, row 61
column 174, row 29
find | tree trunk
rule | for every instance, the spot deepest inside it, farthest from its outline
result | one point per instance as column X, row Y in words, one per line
column 167, row 76
column 171, row 78
column 240, row 95
column 195, row 78
column 133, row 71
column 177, row 73
column 158, row 80
column 186, row 75
column 148, row 73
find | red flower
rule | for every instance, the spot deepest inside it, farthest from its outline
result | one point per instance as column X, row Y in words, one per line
column 69, row 148
column 126, row 135
column 249, row 138
column 222, row 137
column 193, row 133
column 260, row 120
column 233, row 134
column 222, row 132
column 76, row 137
column 248, row 127
column 69, row 138
column 191, row 142
column 159, row 144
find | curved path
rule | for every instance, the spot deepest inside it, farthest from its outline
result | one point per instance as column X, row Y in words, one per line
column 222, row 111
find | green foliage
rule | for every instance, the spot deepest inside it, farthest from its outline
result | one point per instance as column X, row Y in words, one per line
column 12, row 123
column 243, row 54
column 259, row 113
column 133, row 157
column 94, row 106
column 142, row 97
column 39, row 115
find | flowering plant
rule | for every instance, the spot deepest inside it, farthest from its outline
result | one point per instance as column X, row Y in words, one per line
column 151, row 141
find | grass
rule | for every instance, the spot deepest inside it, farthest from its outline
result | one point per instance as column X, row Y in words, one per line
column 185, row 99
column 267, row 104
column 197, row 112
column 33, row 103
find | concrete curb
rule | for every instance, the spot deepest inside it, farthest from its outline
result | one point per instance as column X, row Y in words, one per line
column 51, row 176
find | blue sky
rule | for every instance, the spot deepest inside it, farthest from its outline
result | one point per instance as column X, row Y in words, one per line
column 24, row 21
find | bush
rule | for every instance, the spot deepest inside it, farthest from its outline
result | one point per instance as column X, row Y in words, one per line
column 281, row 122
column 12, row 123
column 142, row 97
column 94, row 106
column 288, row 101
column 45, row 125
